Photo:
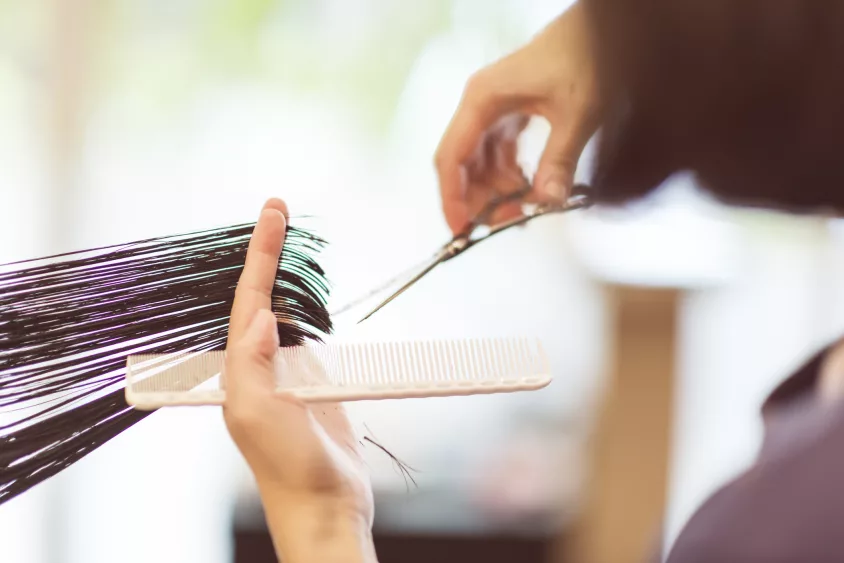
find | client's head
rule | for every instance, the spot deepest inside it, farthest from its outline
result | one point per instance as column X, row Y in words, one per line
column 750, row 99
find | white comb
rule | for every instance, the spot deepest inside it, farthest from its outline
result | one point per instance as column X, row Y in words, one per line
column 350, row 372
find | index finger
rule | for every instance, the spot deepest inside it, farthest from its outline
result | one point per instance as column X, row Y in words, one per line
column 255, row 286
column 475, row 114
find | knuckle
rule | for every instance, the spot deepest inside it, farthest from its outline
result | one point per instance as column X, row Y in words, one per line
column 474, row 84
column 580, row 100
column 564, row 162
column 239, row 289
column 478, row 88
column 246, row 356
column 440, row 161
column 246, row 287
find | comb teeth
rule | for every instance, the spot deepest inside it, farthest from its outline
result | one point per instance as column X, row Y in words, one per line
column 352, row 372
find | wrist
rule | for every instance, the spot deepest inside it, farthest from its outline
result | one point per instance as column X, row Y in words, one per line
column 308, row 528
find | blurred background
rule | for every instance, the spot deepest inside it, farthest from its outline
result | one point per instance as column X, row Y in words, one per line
column 122, row 119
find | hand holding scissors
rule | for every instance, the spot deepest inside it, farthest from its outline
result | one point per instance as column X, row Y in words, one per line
column 469, row 237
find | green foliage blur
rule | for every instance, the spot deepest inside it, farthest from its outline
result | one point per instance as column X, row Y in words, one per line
column 156, row 56
column 161, row 53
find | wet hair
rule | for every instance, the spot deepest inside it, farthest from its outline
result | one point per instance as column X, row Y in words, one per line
column 68, row 322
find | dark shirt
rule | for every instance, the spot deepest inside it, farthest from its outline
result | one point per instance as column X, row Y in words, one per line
column 789, row 505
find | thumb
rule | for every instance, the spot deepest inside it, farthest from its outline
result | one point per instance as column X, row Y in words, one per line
column 250, row 360
column 555, row 173
column 260, row 341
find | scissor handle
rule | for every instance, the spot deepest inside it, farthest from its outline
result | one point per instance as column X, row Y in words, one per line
column 491, row 206
column 578, row 190
column 578, row 199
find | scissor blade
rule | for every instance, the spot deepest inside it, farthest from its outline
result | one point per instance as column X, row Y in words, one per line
column 431, row 265
column 448, row 252
column 392, row 282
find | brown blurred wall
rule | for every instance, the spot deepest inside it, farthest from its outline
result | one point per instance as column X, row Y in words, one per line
column 629, row 452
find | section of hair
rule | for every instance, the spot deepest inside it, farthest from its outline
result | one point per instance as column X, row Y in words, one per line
column 69, row 321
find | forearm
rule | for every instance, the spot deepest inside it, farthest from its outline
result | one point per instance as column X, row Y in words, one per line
column 317, row 530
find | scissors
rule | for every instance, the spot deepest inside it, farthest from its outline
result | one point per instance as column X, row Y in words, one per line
column 468, row 237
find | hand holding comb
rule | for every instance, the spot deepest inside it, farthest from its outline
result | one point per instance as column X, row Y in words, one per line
column 386, row 370
column 69, row 321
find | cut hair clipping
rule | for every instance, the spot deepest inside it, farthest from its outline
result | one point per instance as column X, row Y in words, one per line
column 68, row 322
column 317, row 372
